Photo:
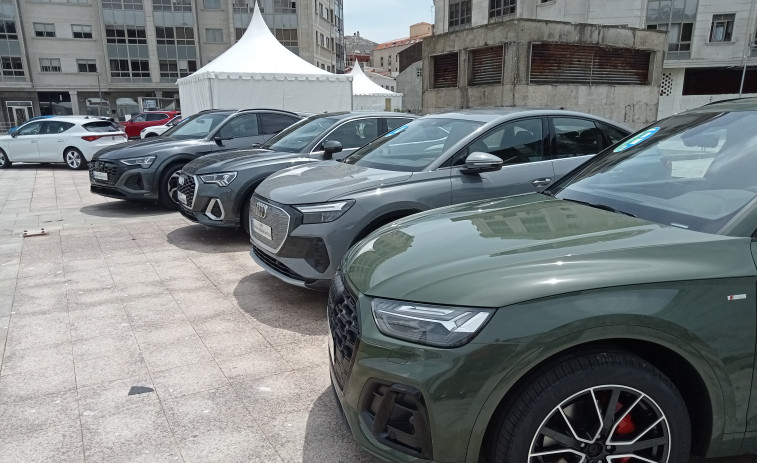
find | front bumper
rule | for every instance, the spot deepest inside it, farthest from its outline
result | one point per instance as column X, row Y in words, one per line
column 207, row 204
column 122, row 182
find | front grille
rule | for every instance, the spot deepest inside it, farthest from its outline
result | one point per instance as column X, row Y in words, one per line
column 103, row 166
column 134, row 182
column 276, row 265
column 342, row 312
column 270, row 216
column 187, row 188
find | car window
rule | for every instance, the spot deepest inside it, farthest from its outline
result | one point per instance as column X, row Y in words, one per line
column 272, row 123
column 53, row 127
column 396, row 122
column 576, row 137
column 412, row 147
column 138, row 118
column 354, row 134
column 517, row 142
column 175, row 120
column 156, row 117
column 244, row 125
column 101, row 126
column 197, row 126
column 30, row 129
column 296, row 137
column 614, row 134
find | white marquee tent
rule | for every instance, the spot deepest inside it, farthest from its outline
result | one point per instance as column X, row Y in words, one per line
column 259, row 72
column 368, row 95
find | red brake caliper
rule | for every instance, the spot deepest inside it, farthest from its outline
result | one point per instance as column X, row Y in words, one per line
column 625, row 427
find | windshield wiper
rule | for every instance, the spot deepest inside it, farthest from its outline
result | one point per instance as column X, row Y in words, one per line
column 604, row 207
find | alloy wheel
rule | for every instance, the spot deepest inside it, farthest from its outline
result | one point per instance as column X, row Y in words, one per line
column 73, row 159
column 3, row 160
column 172, row 186
column 603, row 424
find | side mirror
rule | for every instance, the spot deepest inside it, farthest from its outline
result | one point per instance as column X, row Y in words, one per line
column 330, row 147
column 478, row 162
column 14, row 134
column 219, row 140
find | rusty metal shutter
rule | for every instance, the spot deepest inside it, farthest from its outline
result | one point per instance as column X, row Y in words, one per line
column 486, row 66
column 445, row 71
column 589, row 65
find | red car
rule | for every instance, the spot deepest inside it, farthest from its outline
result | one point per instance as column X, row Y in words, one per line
column 133, row 127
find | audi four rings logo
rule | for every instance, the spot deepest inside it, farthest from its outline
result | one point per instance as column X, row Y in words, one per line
column 261, row 210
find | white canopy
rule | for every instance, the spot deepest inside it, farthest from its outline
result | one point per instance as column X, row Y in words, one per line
column 368, row 95
column 259, row 72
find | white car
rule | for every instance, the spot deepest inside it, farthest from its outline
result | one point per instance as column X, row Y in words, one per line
column 72, row 140
column 156, row 130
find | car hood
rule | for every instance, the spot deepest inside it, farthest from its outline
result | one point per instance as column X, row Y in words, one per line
column 323, row 181
column 501, row 252
column 237, row 161
column 156, row 146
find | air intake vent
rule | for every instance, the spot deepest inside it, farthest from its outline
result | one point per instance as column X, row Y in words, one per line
column 553, row 63
column 445, row 71
column 486, row 66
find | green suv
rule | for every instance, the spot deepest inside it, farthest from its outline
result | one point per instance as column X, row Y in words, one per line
column 609, row 319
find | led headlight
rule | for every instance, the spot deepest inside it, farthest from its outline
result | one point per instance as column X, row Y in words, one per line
column 144, row 161
column 326, row 212
column 222, row 179
column 431, row 325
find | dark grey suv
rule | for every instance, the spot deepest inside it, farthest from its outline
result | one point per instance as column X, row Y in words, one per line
column 215, row 190
column 148, row 169
column 305, row 218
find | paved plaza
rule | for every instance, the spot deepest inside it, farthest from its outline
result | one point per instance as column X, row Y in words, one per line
column 128, row 334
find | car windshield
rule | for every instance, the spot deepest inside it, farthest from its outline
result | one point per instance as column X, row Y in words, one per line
column 695, row 171
column 412, row 147
column 197, row 126
column 295, row 138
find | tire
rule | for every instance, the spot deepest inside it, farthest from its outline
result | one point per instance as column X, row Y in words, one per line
column 167, row 188
column 581, row 389
column 4, row 161
column 74, row 159
column 244, row 216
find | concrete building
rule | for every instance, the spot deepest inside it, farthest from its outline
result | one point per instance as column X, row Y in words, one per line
column 410, row 78
column 119, row 57
column 605, row 70
column 710, row 52
column 386, row 55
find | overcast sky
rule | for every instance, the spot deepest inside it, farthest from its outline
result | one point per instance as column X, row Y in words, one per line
column 385, row 20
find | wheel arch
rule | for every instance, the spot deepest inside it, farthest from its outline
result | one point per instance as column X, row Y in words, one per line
column 383, row 219
column 174, row 160
column 700, row 400
column 247, row 191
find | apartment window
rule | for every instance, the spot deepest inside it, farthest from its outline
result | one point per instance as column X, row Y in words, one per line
column 81, row 31
column 123, row 5
column 498, row 8
column 211, row 4
column 171, row 5
column 132, row 35
column 284, row 6
column 677, row 17
column 390, row 61
column 459, row 13
column 238, row 33
column 721, row 29
column 8, row 30
column 44, row 30
column 287, row 37
column 382, row 61
column 214, row 35
column 173, row 69
column 445, row 70
column 486, row 66
column 679, row 36
column 125, row 68
column 11, row 66
column 49, row 64
column 86, row 65
column 178, row 35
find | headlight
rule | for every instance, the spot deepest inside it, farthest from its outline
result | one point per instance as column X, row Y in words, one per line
column 326, row 212
column 144, row 162
column 430, row 325
column 222, row 179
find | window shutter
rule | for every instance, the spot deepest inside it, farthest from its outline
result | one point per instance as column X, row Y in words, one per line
column 486, row 66
column 445, row 70
column 588, row 65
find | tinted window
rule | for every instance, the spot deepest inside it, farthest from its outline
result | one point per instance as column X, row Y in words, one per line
column 414, row 146
column 295, row 138
column 354, row 134
column 197, row 126
column 576, row 137
column 101, row 126
column 516, row 142
column 614, row 134
column 275, row 123
column 244, row 125
column 156, row 117
column 396, row 122
column 30, row 129
column 52, row 127
column 138, row 118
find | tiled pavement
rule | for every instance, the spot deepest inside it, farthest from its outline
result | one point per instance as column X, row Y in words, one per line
column 123, row 294
column 119, row 295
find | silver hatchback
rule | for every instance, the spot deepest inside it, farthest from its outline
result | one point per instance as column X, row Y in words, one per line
column 304, row 219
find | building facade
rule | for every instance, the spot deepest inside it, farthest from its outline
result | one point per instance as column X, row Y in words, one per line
column 710, row 53
column 118, row 57
column 386, row 55
column 358, row 49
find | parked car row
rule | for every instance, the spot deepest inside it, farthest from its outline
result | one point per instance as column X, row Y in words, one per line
column 497, row 290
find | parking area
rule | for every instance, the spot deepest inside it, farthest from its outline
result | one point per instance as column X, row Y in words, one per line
column 129, row 334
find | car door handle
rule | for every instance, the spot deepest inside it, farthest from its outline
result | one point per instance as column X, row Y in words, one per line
column 34, row 141
column 60, row 140
column 539, row 182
